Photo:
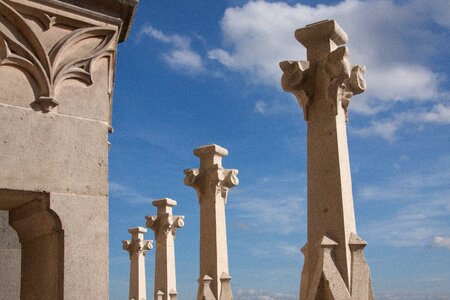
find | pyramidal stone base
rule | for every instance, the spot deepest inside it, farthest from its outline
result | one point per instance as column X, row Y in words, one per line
column 327, row 282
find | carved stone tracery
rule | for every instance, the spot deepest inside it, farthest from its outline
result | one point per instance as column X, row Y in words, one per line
column 22, row 48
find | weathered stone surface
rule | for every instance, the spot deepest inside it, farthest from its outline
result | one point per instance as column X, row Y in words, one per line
column 57, row 64
column 49, row 152
column 10, row 253
column 84, row 220
column 212, row 183
column 323, row 87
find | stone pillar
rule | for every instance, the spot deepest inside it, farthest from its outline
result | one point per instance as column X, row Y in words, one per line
column 137, row 247
column 212, row 183
column 323, row 86
column 57, row 70
column 165, row 225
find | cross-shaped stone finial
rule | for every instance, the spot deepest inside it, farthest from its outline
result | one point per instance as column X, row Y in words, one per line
column 327, row 74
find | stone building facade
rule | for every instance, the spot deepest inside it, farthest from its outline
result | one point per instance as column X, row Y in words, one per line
column 57, row 65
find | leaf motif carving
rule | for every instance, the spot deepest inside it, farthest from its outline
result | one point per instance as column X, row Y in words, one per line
column 21, row 48
column 29, row 54
column 79, row 67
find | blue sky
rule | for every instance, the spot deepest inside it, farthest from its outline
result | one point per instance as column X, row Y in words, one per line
column 199, row 72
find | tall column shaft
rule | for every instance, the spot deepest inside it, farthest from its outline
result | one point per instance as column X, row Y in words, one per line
column 212, row 183
column 213, row 240
column 164, row 225
column 323, row 86
column 137, row 248
column 330, row 199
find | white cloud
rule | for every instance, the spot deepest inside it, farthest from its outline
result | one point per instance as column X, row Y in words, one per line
column 412, row 295
column 441, row 242
column 184, row 58
column 180, row 56
column 384, row 128
column 438, row 114
column 424, row 201
column 254, row 294
column 275, row 106
column 392, row 40
column 125, row 193
column 403, row 82
column 260, row 107
column 261, row 204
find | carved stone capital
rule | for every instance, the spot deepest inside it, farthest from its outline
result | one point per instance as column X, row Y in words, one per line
column 164, row 223
column 211, row 177
column 137, row 245
column 71, row 56
column 326, row 75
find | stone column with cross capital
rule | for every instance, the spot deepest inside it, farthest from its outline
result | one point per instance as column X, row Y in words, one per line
column 212, row 183
column 323, row 86
column 137, row 248
column 165, row 225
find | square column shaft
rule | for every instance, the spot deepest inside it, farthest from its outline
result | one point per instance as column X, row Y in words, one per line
column 323, row 86
column 212, row 183
column 137, row 248
column 165, row 225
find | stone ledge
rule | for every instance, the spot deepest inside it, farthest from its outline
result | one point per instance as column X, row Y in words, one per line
column 118, row 9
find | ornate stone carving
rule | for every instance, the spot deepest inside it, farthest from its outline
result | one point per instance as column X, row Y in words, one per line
column 137, row 247
column 165, row 225
column 333, row 269
column 212, row 183
column 21, row 47
column 332, row 78
column 212, row 176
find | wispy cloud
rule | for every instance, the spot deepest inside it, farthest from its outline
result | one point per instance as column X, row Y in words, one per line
column 180, row 55
column 417, row 205
column 438, row 114
column 441, row 242
column 268, row 107
column 265, row 204
column 259, row 34
column 412, row 226
column 413, row 295
column 125, row 193
column 255, row 294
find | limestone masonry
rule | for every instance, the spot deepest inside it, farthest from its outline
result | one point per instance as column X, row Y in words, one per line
column 57, row 65
column 334, row 266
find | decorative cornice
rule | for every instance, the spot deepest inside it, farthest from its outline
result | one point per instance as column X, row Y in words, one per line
column 221, row 180
column 331, row 77
column 164, row 224
column 137, row 247
column 20, row 47
column 211, row 178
